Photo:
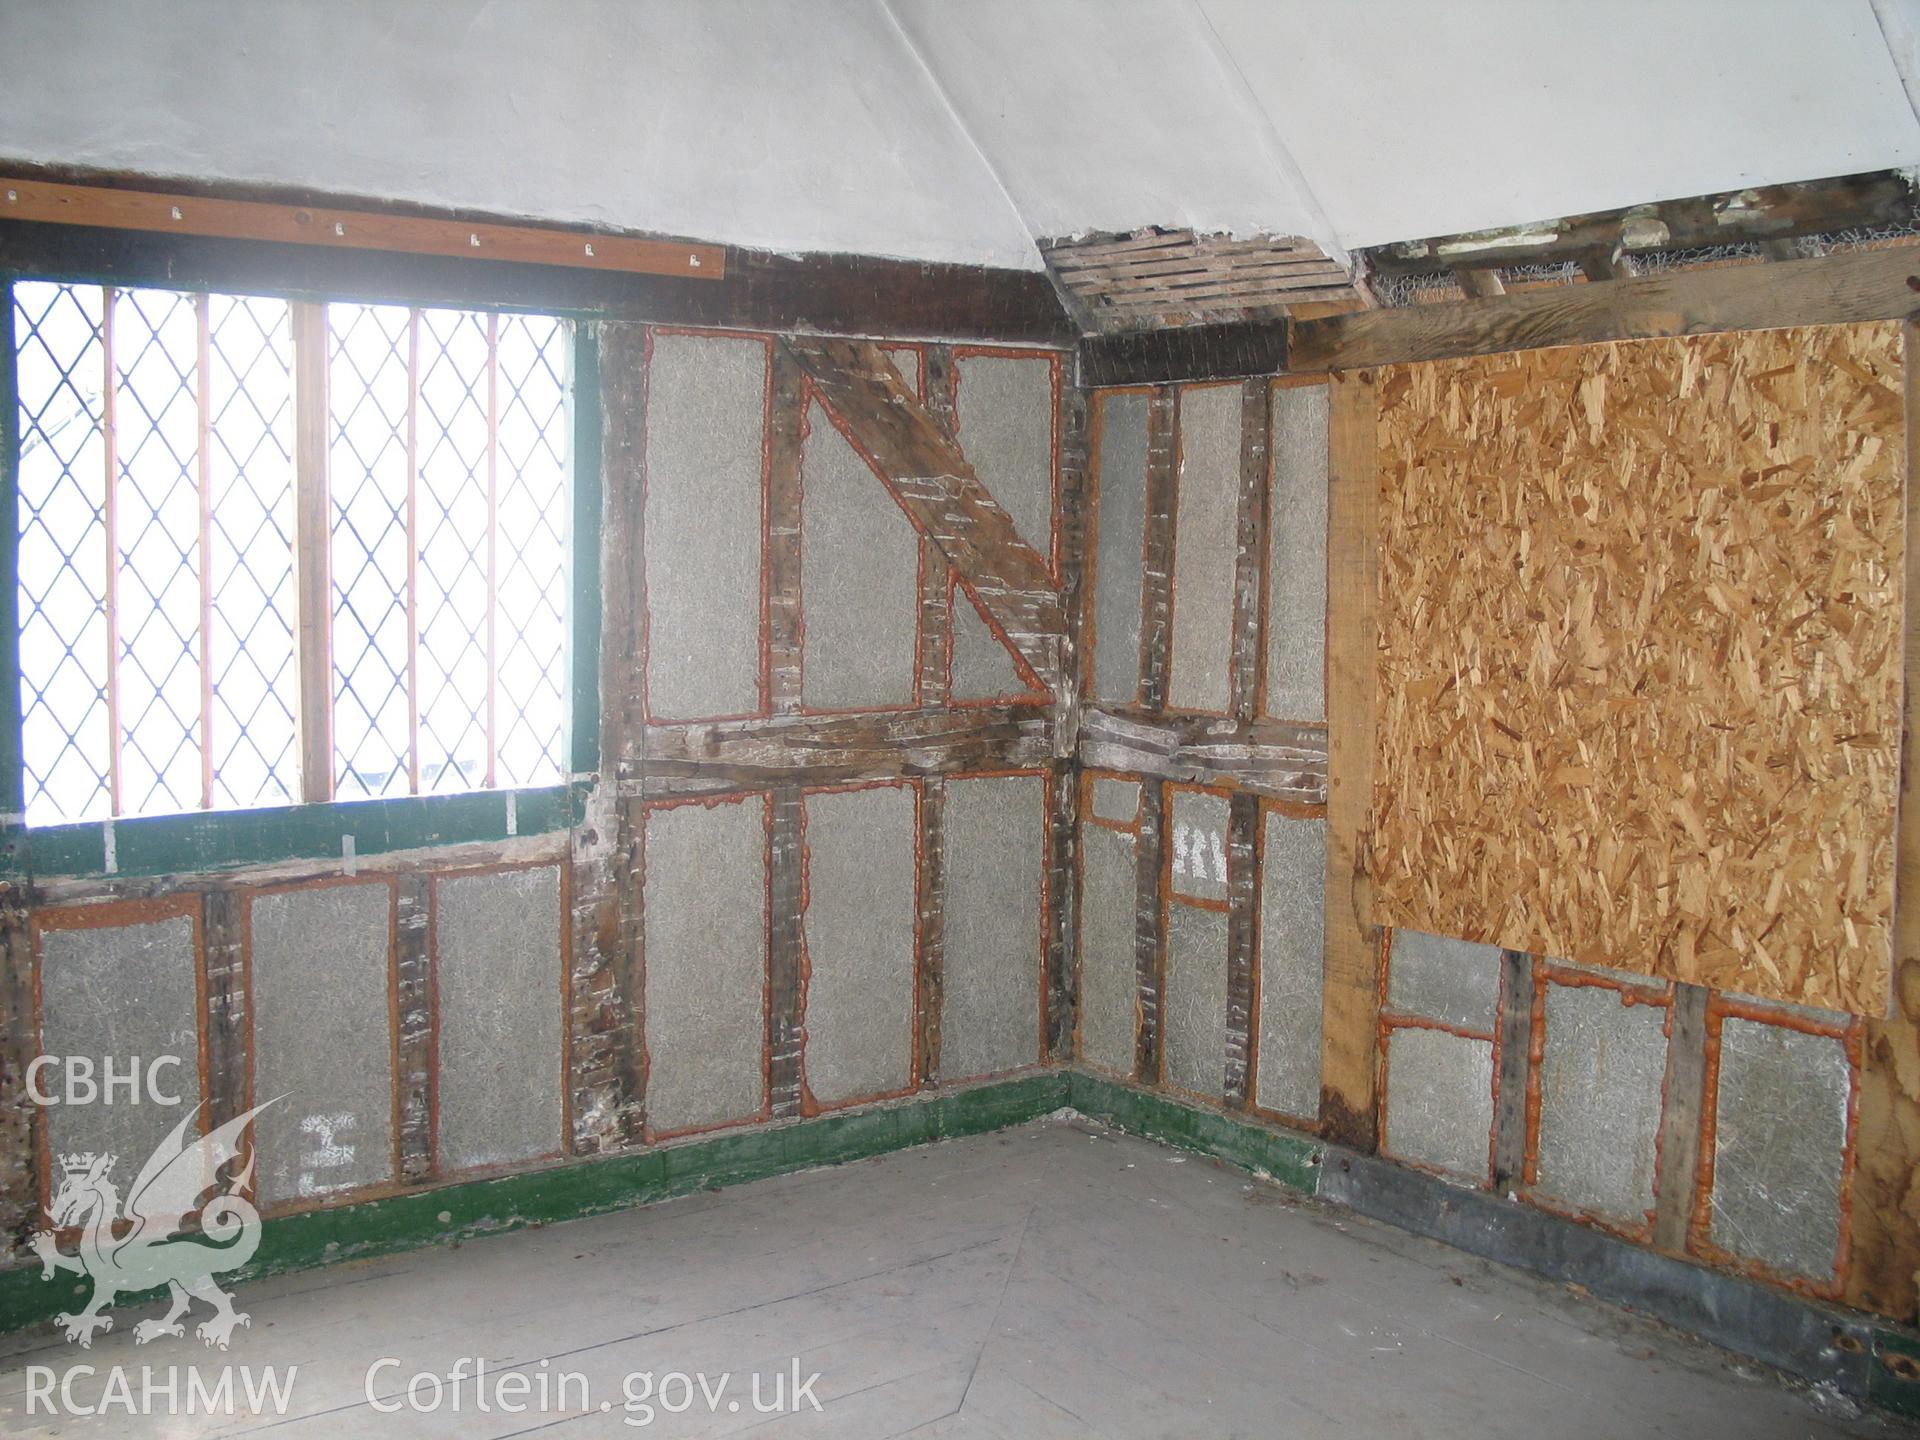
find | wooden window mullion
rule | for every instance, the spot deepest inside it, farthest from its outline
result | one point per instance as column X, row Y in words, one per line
column 313, row 524
column 493, row 531
column 110, row 524
column 413, row 551
column 203, row 403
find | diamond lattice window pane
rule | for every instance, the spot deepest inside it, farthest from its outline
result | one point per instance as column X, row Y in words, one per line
column 63, row 551
column 535, row 515
column 251, row 581
column 454, row 528
column 369, row 390
column 155, row 338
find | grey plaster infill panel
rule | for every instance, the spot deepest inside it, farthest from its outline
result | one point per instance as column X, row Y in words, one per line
column 1108, row 994
column 120, row 993
column 320, row 967
column 1292, row 959
column 499, row 983
column 1602, row 1071
column 704, row 912
column 1119, row 547
column 859, row 926
column 705, row 471
column 995, row 857
column 1297, row 558
column 1198, row 841
column 1005, row 413
column 1779, row 1137
column 1194, row 1005
column 981, row 666
column 859, row 580
column 1116, row 800
column 1454, row 981
column 1205, row 544
column 1440, row 1101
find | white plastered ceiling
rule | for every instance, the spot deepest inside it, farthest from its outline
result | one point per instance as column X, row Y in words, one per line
column 964, row 130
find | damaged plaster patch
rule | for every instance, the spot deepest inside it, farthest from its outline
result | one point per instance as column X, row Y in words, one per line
column 1601, row 1075
column 1199, row 830
column 1779, row 1137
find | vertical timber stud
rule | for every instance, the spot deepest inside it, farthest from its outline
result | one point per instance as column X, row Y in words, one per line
column 605, row 1073
column 1683, row 1105
column 786, row 951
column 1243, row 925
column 223, row 958
column 312, row 522
column 1063, row 790
column 936, row 646
column 414, row 1004
column 1243, row 814
column 786, row 940
column 783, row 533
column 1156, row 630
column 20, row 1118
column 1517, row 982
column 1883, row 1267
column 1351, row 1005
column 1149, row 931
column 1156, row 599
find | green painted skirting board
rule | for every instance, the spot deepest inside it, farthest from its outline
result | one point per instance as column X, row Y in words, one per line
column 1291, row 1159
column 1877, row 1363
column 587, row 1187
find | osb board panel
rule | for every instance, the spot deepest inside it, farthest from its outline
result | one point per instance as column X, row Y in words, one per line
column 1639, row 645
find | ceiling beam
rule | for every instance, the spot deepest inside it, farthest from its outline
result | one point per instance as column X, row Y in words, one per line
column 1772, row 212
column 1829, row 290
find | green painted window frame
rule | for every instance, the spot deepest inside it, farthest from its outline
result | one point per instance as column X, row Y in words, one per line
column 205, row 840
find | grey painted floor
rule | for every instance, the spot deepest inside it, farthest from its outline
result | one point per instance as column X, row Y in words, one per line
column 1057, row 1280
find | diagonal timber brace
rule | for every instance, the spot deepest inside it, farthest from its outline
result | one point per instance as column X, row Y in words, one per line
column 926, row 473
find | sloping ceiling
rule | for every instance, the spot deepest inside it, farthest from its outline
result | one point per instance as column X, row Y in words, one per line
column 938, row 130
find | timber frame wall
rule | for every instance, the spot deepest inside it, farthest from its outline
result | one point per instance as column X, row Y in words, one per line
column 1254, row 761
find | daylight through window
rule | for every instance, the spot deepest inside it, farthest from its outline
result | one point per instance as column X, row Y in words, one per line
column 162, row 541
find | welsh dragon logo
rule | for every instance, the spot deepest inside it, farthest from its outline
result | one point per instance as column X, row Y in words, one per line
column 144, row 1246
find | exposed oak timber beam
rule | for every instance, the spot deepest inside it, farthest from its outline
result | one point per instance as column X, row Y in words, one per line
column 843, row 294
column 713, row 756
column 1883, row 1260
column 1282, row 759
column 1350, row 1002
column 1828, row 290
column 1188, row 352
column 1766, row 213
column 924, row 469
